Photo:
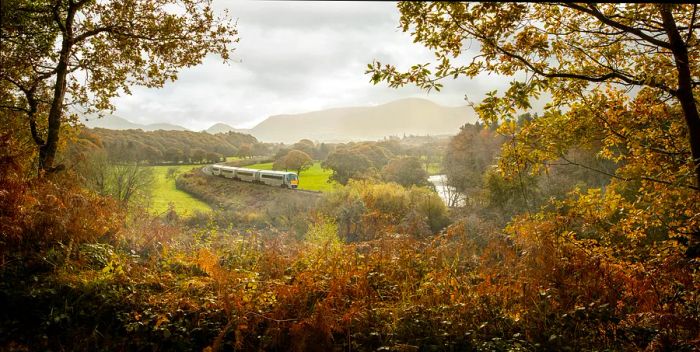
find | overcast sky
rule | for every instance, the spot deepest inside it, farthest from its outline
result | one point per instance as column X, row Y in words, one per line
column 295, row 57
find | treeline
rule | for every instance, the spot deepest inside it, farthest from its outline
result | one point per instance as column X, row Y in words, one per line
column 172, row 147
column 472, row 163
column 392, row 160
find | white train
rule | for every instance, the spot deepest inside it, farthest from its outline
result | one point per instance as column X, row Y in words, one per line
column 269, row 177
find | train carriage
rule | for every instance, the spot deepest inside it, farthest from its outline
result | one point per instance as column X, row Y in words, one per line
column 268, row 177
column 228, row 172
column 247, row 175
column 278, row 178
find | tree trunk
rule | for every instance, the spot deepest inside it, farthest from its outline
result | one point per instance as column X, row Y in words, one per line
column 686, row 98
column 47, row 151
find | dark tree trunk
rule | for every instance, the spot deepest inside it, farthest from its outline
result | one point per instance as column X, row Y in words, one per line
column 47, row 151
column 685, row 97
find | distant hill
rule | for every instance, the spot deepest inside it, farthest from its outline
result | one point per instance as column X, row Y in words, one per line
column 402, row 117
column 223, row 128
column 411, row 116
column 114, row 122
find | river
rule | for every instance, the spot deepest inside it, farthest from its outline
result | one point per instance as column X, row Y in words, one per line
column 444, row 191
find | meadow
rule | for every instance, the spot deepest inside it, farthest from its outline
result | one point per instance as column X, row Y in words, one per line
column 164, row 191
column 434, row 169
column 314, row 178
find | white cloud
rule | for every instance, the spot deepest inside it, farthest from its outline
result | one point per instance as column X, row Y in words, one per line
column 294, row 57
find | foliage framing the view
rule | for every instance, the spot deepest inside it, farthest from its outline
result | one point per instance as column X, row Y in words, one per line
column 57, row 54
column 586, row 57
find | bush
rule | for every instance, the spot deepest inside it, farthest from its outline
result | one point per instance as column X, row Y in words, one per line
column 365, row 210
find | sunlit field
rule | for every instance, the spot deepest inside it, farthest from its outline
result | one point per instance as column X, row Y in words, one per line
column 164, row 192
column 314, row 178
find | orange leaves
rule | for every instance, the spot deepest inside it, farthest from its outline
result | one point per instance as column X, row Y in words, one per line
column 44, row 213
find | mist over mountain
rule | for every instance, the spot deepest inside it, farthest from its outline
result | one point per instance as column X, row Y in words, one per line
column 401, row 117
column 411, row 116
column 114, row 122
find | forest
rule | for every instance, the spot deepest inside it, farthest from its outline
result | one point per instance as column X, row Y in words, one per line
column 171, row 147
column 571, row 228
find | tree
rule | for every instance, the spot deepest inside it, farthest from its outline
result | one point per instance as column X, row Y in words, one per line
column 245, row 151
column 213, row 157
column 323, row 150
column 125, row 182
column 345, row 164
column 173, row 155
column 295, row 160
column 306, row 146
column 564, row 47
column 198, row 155
column 281, row 153
column 89, row 51
column 406, row 171
column 258, row 148
column 586, row 56
column 469, row 155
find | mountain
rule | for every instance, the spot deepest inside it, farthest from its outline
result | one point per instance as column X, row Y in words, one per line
column 411, row 116
column 401, row 117
column 114, row 122
column 223, row 128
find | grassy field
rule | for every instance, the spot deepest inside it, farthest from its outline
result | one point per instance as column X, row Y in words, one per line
column 164, row 192
column 434, row 169
column 313, row 179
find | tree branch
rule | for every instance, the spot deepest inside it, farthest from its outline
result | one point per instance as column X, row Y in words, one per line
column 602, row 78
column 690, row 25
column 593, row 11
column 646, row 178
column 57, row 16
column 92, row 32
column 614, row 74
column 14, row 108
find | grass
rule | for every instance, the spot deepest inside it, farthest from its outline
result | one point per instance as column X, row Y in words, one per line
column 164, row 192
column 434, row 169
column 314, row 178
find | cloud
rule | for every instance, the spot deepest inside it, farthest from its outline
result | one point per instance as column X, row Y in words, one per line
column 294, row 57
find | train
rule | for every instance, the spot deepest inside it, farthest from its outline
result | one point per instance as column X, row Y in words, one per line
column 282, row 179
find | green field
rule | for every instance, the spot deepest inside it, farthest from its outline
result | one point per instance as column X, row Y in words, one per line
column 434, row 169
column 313, row 179
column 164, row 192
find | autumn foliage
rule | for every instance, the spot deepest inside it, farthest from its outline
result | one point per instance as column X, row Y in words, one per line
column 586, row 262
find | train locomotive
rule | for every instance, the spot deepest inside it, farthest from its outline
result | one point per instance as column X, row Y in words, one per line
column 282, row 179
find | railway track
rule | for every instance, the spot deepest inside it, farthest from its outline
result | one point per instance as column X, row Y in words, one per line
column 207, row 171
